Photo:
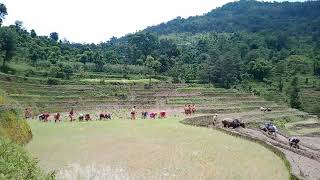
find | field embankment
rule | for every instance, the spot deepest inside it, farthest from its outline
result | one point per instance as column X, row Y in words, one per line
column 15, row 161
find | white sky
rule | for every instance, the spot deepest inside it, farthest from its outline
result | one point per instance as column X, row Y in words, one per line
column 98, row 20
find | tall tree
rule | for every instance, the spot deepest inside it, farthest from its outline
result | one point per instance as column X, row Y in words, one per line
column 19, row 25
column 225, row 71
column 98, row 61
column 54, row 36
column 34, row 53
column 153, row 65
column 7, row 44
column 259, row 68
column 146, row 43
column 316, row 66
column 294, row 94
column 3, row 12
column 83, row 58
column 33, row 33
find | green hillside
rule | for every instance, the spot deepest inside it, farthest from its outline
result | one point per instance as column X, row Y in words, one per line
column 295, row 18
column 253, row 46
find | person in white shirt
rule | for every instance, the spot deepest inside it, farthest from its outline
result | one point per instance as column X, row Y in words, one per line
column 133, row 113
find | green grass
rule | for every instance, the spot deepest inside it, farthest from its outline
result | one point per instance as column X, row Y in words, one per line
column 16, row 163
column 205, row 90
column 292, row 130
column 13, row 127
column 305, row 131
column 150, row 149
column 122, row 81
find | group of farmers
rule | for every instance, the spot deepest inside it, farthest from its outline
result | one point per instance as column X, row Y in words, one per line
column 81, row 117
column 145, row 114
column 57, row 116
column 189, row 109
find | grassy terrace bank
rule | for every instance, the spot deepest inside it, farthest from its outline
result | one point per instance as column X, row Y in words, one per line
column 15, row 161
column 148, row 149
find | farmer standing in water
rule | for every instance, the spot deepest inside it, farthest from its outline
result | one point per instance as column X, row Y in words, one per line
column 71, row 115
column 27, row 113
column 133, row 113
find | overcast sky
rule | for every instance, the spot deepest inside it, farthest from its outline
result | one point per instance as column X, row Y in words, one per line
column 98, row 20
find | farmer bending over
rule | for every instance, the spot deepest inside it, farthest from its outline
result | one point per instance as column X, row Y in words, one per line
column 71, row 114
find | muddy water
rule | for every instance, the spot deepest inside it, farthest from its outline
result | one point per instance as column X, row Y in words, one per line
column 149, row 149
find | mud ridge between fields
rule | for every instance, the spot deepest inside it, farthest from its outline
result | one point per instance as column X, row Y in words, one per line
column 309, row 125
column 304, row 162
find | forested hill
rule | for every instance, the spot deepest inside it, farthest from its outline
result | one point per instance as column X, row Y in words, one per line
column 250, row 16
column 271, row 49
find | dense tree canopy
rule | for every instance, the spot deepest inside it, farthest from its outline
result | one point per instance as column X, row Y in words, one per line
column 241, row 41
column 3, row 12
column 251, row 16
column 7, row 44
column 54, row 36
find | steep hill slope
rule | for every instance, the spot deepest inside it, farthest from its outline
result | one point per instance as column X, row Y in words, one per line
column 252, row 16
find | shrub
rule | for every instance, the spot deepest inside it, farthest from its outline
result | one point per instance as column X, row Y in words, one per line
column 7, row 69
column 52, row 81
column 280, row 123
column 90, row 67
column 43, row 64
column 122, row 96
column 16, row 163
column 29, row 73
column 77, row 66
column 60, row 75
column 119, row 68
column 2, row 100
column 102, row 81
column 147, row 86
column 14, row 128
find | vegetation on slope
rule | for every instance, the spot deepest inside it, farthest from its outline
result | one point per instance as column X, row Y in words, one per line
column 15, row 162
column 250, row 16
column 14, row 128
column 255, row 46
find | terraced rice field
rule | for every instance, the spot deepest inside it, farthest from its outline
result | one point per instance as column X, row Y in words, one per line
column 308, row 127
column 208, row 100
column 160, row 149
column 149, row 149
